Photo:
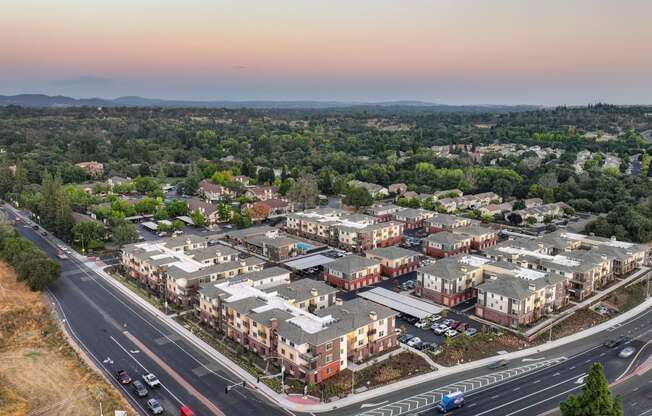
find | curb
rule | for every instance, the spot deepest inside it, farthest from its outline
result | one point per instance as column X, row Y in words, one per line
column 370, row 394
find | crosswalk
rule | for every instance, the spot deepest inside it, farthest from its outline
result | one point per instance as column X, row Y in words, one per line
column 427, row 399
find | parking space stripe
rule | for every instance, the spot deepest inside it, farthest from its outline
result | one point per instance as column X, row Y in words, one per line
column 422, row 400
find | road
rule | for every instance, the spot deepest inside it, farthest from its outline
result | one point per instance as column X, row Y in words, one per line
column 119, row 334
column 522, row 391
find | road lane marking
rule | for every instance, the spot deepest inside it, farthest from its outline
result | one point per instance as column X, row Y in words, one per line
column 88, row 351
column 176, row 376
column 542, row 401
column 363, row 405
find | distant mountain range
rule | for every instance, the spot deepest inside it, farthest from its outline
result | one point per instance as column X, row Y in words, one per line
column 47, row 101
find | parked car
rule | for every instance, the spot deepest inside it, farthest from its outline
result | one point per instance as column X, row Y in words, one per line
column 398, row 331
column 451, row 333
column 123, row 377
column 498, row 364
column 44, row 233
column 154, row 406
column 139, row 388
column 411, row 320
column 430, row 346
column 151, row 380
column 421, row 324
column 447, row 322
column 434, row 326
column 627, row 352
column 440, row 330
column 413, row 341
column 454, row 324
column 461, row 327
column 471, row 332
column 405, row 338
column 435, row 318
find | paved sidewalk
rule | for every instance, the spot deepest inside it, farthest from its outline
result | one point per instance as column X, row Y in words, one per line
column 284, row 400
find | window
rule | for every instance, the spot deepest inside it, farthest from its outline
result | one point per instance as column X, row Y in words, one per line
column 381, row 334
column 321, row 298
column 282, row 351
column 329, row 371
column 302, row 305
column 360, row 342
column 381, row 322
column 360, row 331
column 328, row 358
column 329, row 346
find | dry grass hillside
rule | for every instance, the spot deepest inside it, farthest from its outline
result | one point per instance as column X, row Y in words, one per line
column 40, row 373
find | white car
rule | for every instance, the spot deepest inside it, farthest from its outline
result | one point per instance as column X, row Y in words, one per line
column 421, row 324
column 441, row 329
column 435, row 318
column 151, row 380
column 451, row 333
column 397, row 331
column 155, row 406
column 414, row 341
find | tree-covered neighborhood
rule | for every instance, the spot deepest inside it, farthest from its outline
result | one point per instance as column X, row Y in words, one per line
column 327, row 252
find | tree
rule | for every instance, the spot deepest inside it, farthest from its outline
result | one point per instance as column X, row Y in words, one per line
column 241, row 220
column 198, row 219
column 124, row 233
column 193, row 177
column 40, row 273
column 358, row 197
column 87, row 231
column 518, row 205
column 178, row 225
column 176, row 207
column 515, row 218
column 224, row 212
column 258, row 211
column 595, row 398
column 146, row 184
column 222, row 177
column 531, row 220
column 305, row 191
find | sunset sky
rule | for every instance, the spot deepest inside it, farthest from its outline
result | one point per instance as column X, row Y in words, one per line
column 455, row 52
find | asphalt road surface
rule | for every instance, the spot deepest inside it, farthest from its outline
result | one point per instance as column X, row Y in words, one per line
column 118, row 334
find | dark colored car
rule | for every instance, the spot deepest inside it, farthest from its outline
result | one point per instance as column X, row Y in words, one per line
column 123, row 377
column 139, row 388
column 498, row 364
column 35, row 227
column 613, row 343
column 405, row 338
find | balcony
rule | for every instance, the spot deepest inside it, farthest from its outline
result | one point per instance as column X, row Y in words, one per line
column 312, row 361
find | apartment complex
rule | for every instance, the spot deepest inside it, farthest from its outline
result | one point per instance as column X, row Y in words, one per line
column 445, row 244
column 383, row 212
column 175, row 266
column 451, row 280
column 413, row 218
column 587, row 262
column 300, row 326
column 336, row 227
column 352, row 272
column 481, row 237
column 514, row 297
column 394, row 261
column 447, row 222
